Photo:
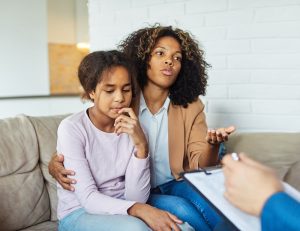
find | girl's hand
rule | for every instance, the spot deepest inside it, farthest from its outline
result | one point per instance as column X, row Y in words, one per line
column 127, row 122
column 155, row 218
column 217, row 136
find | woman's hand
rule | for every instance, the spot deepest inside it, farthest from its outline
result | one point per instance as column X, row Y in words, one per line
column 156, row 219
column 127, row 122
column 58, row 171
column 217, row 136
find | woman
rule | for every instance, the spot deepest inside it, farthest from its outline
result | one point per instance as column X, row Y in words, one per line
column 171, row 75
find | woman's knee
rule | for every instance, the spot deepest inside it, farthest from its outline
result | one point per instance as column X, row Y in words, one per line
column 173, row 204
column 184, row 207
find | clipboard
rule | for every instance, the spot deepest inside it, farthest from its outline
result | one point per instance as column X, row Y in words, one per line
column 209, row 182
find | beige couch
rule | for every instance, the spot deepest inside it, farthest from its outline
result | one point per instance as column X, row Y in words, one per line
column 28, row 193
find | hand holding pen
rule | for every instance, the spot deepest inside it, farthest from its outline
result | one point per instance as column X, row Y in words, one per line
column 248, row 184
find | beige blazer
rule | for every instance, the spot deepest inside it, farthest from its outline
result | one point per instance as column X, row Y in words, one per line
column 188, row 148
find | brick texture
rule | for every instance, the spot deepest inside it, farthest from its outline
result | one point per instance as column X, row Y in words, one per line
column 253, row 47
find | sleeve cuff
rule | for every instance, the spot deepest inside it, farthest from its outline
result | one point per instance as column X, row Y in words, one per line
column 125, row 209
column 143, row 163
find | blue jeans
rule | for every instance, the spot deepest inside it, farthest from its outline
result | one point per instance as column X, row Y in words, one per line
column 222, row 151
column 180, row 199
column 79, row 220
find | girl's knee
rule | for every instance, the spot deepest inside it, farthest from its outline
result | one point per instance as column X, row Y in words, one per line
column 135, row 224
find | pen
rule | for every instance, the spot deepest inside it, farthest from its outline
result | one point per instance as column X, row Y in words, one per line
column 235, row 156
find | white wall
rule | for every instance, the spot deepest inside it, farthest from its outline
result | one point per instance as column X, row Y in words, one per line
column 24, row 48
column 26, row 27
column 61, row 21
column 81, row 19
column 41, row 106
column 253, row 46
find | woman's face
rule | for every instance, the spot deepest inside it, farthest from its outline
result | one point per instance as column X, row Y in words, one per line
column 165, row 62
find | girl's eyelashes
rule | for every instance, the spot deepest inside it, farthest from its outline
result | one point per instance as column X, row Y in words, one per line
column 124, row 90
column 109, row 91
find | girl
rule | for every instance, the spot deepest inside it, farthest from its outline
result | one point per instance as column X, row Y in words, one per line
column 106, row 147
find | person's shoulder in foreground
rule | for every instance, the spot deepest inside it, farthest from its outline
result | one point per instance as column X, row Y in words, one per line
column 281, row 212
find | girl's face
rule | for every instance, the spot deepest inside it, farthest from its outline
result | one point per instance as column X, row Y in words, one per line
column 112, row 93
column 165, row 62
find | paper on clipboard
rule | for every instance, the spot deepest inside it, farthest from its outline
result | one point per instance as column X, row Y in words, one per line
column 212, row 187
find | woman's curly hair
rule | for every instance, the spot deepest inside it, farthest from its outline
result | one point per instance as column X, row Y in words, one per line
column 192, row 78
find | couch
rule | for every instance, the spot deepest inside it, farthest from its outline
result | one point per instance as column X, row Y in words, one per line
column 28, row 193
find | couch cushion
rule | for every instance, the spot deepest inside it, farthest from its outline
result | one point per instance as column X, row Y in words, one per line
column 293, row 175
column 277, row 150
column 45, row 226
column 46, row 132
column 23, row 197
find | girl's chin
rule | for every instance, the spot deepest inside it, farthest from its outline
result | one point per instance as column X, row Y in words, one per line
column 115, row 111
column 113, row 115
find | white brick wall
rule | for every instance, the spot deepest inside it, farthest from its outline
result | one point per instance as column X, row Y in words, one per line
column 253, row 46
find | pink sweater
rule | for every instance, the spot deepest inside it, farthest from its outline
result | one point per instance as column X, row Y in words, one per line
column 110, row 178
